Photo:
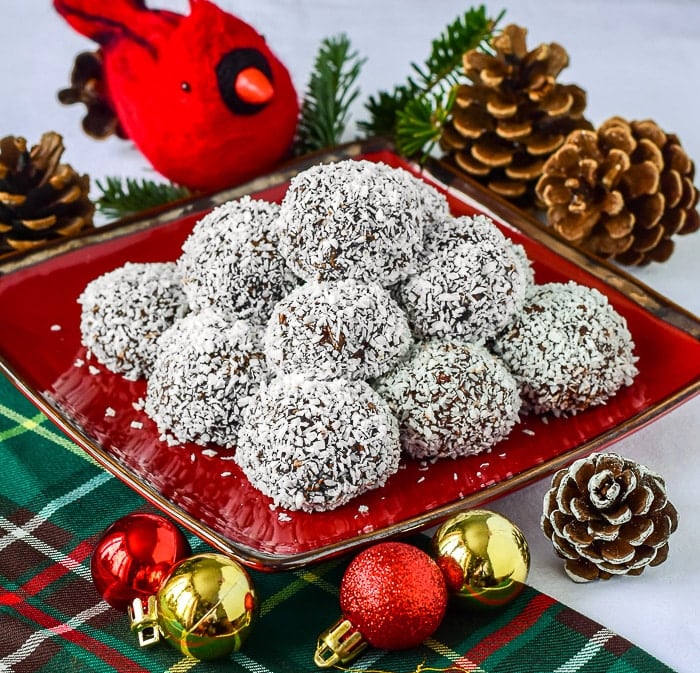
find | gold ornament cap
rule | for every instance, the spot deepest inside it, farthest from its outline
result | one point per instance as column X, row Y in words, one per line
column 339, row 644
column 484, row 556
column 205, row 608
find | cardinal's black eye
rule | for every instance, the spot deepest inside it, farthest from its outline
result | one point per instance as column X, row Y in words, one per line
column 230, row 66
column 185, row 86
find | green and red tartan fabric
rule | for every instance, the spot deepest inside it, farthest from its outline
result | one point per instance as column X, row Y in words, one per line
column 55, row 503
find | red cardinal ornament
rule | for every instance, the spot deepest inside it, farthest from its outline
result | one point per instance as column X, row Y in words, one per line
column 202, row 96
column 392, row 596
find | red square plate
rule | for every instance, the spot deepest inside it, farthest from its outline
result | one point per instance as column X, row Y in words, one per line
column 40, row 346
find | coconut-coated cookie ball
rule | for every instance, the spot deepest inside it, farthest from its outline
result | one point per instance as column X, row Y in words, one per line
column 124, row 312
column 351, row 219
column 452, row 399
column 206, row 373
column 230, row 262
column 468, row 291
column 568, row 349
column 314, row 445
column 336, row 329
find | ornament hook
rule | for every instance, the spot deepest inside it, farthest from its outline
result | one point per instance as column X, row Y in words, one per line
column 145, row 623
column 340, row 643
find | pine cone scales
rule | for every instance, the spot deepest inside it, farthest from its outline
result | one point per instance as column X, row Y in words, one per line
column 514, row 115
column 40, row 199
column 87, row 86
column 607, row 515
column 621, row 192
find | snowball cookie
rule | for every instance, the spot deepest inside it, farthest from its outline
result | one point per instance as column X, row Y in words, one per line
column 333, row 329
column 124, row 312
column 469, row 291
column 351, row 219
column 452, row 399
column 313, row 445
column 204, row 377
column 568, row 349
column 230, row 261
column 449, row 232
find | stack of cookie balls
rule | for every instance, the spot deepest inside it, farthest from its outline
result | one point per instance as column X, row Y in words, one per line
column 357, row 322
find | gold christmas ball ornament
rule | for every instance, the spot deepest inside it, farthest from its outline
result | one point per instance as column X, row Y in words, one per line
column 484, row 556
column 205, row 608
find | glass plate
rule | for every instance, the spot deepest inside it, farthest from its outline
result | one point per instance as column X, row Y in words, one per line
column 40, row 352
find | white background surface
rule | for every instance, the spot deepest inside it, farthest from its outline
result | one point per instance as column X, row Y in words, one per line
column 638, row 59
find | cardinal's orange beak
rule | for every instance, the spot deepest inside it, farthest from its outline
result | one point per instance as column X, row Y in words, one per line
column 252, row 86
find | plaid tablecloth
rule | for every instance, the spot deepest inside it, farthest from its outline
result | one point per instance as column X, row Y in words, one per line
column 55, row 503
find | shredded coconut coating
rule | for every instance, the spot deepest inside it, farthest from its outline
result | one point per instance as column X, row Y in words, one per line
column 230, row 261
column 433, row 203
column 204, row 378
column 336, row 329
column 452, row 399
column 124, row 312
column 314, row 445
column 568, row 349
column 449, row 232
column 351, row 219
column 469, row 290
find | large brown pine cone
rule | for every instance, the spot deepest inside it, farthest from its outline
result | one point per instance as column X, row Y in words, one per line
column 514, row 114
column 621, row 192
column 607, row 515
column 87, row 87
column 40, row 198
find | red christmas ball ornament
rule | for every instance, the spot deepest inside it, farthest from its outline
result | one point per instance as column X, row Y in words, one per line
column 392, row 596
column 134, row 556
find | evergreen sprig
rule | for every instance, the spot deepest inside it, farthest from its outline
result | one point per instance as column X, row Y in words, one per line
column 419, row 124
column 414, row 112
column 329, row 95
column 121, row 197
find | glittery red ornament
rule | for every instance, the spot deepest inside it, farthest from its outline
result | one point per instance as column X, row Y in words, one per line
column 392, row 596
column 134, row 556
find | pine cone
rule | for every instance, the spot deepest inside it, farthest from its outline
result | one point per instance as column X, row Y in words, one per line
column 514, row 114
column 40, row 199
column 607, row 515
column 621, row 192
column 87, row 87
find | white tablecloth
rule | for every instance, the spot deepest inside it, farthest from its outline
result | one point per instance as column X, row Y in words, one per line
column 635, row 58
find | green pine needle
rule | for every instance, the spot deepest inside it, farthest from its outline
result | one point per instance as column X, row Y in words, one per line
column 419, row 124
column 125, row 197
column 330, row 93
column 415, row 112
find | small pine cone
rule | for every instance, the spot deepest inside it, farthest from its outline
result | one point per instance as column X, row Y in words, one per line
column 621, row 192
column 87, row 87
column 607, row 515
column 40, row 199
column 514, row 114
